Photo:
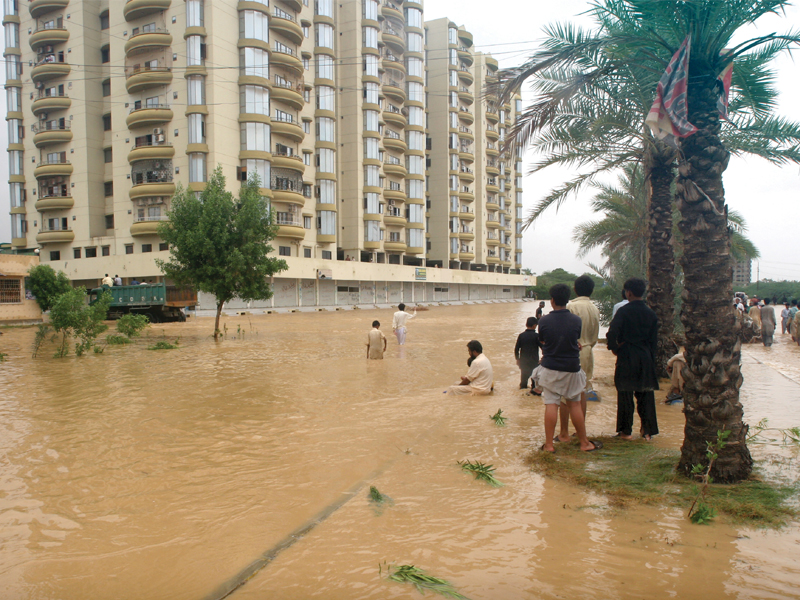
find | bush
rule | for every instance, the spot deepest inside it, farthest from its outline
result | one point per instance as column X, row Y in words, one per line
column 72, row 317
column 132, row 325
column 47, row 285
column 162, row 346
column 117, row 340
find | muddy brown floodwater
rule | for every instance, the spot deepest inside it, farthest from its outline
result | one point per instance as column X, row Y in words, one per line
column 140, row 474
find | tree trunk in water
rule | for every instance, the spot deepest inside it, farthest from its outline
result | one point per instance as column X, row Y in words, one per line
column 216, row 322
column 659, row 163
column 713, row 348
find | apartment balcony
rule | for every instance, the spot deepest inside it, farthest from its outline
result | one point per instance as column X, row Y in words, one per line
column 465, row 154
column 465, row 95
column 492, row 169
column 492, row 260
column 49, row 68
column 289, row 191
column 466, row 133
column 53, row 168
column 394, row 192
column 142, row 78
column 136, row 9
column 466, row 115
column 492, row 188
column 466, row 256
column 395, row 116
column 286, row 24
column 394, row 167
column 48, row 37
column 491, row 63
column 492, row 223
column 151, row 152
column 20, row 242
column 394, row 143
column 492, row 116
column 147, row 225
column 390, row 61
column 394, row 89
column 149, row 116
column 466, row 175
column 466, row 195
column 390, row 9
column 394, row 39
column 41, row 7
column 288, row 161
column 466, row 37
column 296, row 5
column 290, row 225
column 491, row 204
column 466, row 235
column 392, row 246
column 465, row 76
column 46, row 203
column 491, row 133
column 152, row 188
column 46, row 134
column 288, row 91
column 290, row 128
column 395, row 219
column 144, row 41
column 286, row 57
column 54, row 236
column 492, row 241
column 491, row 150
column 49, row 103
column 466, row 215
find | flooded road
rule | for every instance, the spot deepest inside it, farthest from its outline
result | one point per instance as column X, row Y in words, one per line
column 165, row 474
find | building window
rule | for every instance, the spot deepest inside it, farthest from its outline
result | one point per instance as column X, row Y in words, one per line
column 197, row 167
column 76, row 253
column 109, row 221
column 307, row 158
column 91, row 252
column 105, row 54
column 147, row 247
column 55, row 255
column 11, row 291
column 108, row 155
column 163, row 246
column 307, row 251
column 105, row 250
column 128, row 248
column 106, row 88
column 285, row 250
column 327, row 255
column 306, row 222
column 306, row 30
column 107, row 122
column 108, row 187
column 104, row 21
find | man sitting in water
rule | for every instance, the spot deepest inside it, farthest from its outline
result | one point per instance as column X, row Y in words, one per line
column 559, row 374
column 478, row 380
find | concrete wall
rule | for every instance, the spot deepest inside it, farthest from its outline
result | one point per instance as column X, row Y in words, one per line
column 14, row 267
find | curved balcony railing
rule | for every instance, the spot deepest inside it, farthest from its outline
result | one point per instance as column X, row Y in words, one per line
column 48, row 126
column 150, row 218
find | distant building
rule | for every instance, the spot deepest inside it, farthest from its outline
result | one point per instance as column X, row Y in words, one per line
column 17, row 307
column 742, row 271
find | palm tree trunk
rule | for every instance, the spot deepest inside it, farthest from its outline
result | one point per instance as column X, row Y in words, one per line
column 659, row 162
column 713, row 348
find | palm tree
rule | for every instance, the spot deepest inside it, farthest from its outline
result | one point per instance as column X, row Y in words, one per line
column 646, row 33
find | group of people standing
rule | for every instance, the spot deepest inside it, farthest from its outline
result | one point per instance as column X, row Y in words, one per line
column 762, row 315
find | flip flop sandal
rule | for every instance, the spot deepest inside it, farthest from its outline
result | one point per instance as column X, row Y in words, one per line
column 597, row 446
column 541, row 449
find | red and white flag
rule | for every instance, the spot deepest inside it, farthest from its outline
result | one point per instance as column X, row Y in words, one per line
column 668, row 117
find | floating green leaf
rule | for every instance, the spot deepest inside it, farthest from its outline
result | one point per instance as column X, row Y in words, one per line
column 422, row 581
column 498, row 418
column 481, row 471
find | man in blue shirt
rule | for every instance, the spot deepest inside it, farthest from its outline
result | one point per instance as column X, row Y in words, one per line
column 559, row 374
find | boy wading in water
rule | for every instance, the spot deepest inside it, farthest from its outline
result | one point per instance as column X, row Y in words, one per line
column 399, row 320
column 526, row 352
column 560, row 375
column 376, row 341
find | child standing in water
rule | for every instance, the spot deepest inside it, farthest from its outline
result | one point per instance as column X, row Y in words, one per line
column 376, row 341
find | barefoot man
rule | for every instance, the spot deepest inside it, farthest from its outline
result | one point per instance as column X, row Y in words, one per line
column 559, row 374
column 399, row 320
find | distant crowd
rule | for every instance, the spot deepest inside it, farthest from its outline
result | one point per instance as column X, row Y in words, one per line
column 565, row 339
column 761, row 320
column 117, row 281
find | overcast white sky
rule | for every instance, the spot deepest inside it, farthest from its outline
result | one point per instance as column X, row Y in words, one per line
column 766, row 195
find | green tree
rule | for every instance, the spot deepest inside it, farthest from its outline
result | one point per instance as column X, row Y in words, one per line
column 46, row 285
column 72, row 317
column 220, row 245
column 642, row 32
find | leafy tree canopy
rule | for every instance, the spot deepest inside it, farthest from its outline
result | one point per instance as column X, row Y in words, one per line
column 550, row 278
column 46, row 285
column 220, row 245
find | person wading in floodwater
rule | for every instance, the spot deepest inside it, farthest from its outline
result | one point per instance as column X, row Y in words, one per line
column 399, row 320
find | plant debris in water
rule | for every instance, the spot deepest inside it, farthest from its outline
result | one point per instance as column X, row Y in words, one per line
column 375, row 495
column 498, row 418
column 638, row 472
column 162, row 345
column 422, row 581
column 481, row 471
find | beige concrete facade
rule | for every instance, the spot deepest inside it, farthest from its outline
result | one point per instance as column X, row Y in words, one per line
column 114, row 104
column 14, row 306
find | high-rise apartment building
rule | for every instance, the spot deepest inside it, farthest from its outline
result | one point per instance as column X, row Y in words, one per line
column 366, row 126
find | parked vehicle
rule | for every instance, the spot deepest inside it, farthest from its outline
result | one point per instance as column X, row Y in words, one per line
column 160, row 302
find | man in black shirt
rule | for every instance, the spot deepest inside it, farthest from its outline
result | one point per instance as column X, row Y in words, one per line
column 633, row 336
column 527, row 352
column 559, row 374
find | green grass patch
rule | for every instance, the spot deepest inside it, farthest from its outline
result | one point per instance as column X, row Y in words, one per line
column 117, row 340
column 162, row 346
column 638, row 472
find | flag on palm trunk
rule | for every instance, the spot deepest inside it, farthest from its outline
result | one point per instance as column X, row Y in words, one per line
column 668, row 117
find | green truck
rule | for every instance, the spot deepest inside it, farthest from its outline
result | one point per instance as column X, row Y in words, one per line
column 160, row 302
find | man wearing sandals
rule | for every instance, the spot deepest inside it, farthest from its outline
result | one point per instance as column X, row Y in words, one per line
column 633, row 337
column 559, row 374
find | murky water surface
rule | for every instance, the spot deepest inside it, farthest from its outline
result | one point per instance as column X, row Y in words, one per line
column 144, row 474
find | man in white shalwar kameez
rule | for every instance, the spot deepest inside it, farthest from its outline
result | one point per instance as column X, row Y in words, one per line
column 479, row 377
